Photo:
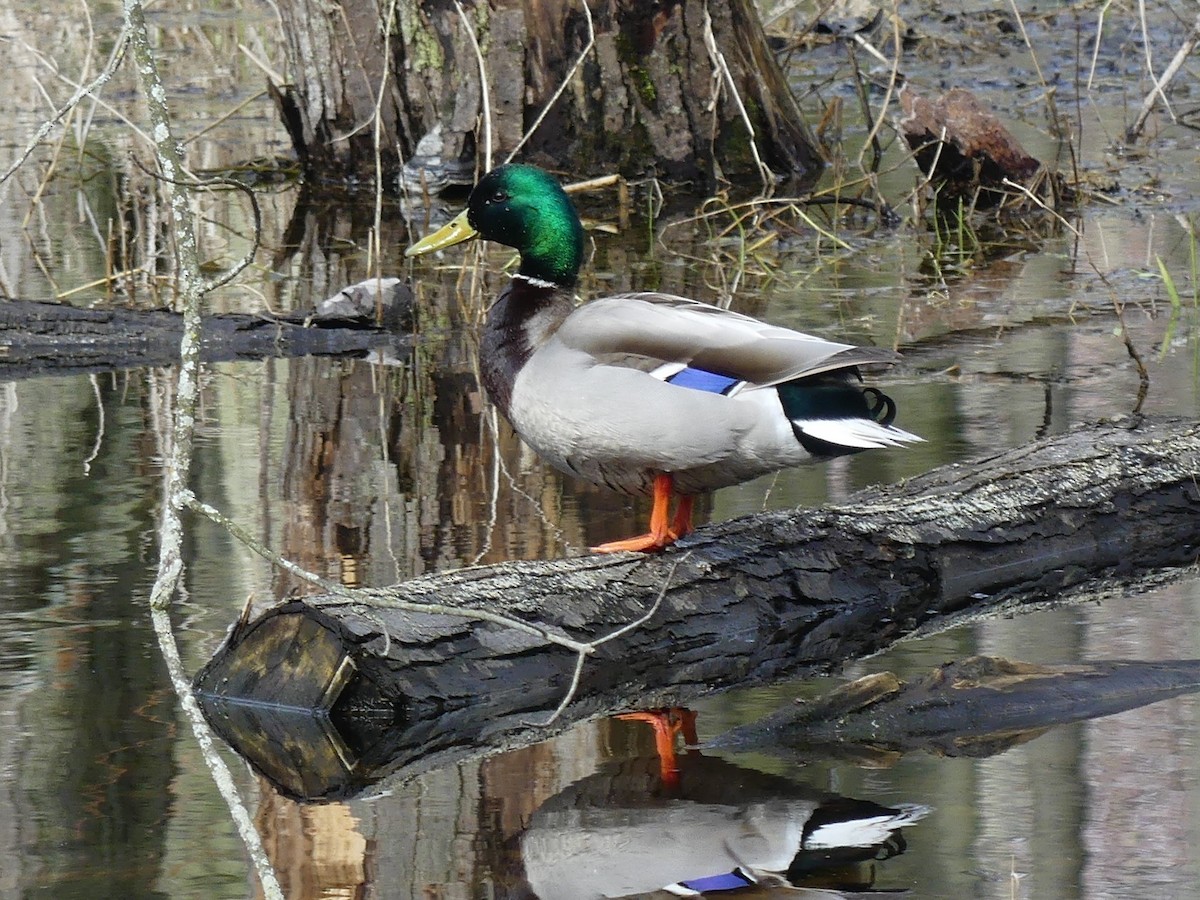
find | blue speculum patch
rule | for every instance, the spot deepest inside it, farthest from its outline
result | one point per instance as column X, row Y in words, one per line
column 727, row 882
column 700, row 380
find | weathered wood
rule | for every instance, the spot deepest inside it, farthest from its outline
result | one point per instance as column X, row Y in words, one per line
column 978, row 706
column 963, row 148
column 782, row 593
column 39, row 339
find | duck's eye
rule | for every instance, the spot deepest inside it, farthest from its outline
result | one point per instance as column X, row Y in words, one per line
column 500, row 196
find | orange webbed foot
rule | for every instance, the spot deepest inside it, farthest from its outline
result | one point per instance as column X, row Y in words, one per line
column 660, row 536
column 643, row 543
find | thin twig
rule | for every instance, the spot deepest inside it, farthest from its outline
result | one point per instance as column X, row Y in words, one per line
column 223, row 118
column 1143, row 373
column 933, row 163
column 871, row 49
column 1096, row 45
column 572, row 690
column 563, row 85
column 1048, row 92
column 592, row 184
column 1185, row 50
column 273, row 77
column 190, row 501
column 1147, row 49
column 649, row 614
column 1008, row 182
column 641, row 620
column 485, row 95
column 106, row 73
column 718, row 59
column 1028, row 43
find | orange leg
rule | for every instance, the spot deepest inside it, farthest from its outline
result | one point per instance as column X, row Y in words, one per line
column 667, row 724
column 682, row 523
column 659, row 535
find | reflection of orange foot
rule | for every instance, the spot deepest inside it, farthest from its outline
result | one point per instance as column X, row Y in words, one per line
column 667, row 724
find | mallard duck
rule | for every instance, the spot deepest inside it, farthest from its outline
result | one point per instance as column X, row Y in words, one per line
column 648, row 393
column 620, row 832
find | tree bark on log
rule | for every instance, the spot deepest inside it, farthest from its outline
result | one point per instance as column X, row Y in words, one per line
column 666, row 87
column 772, row 595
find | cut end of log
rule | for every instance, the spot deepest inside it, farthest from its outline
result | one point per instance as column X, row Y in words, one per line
column 289, row 693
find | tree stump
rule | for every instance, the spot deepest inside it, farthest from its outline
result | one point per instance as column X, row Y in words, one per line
column 671, row 88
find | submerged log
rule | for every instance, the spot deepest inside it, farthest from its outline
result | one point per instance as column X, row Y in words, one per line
column 978, row 706
column 1082, row 515
column 39, row 339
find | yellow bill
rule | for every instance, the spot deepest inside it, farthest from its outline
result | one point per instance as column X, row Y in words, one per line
column 453, row 232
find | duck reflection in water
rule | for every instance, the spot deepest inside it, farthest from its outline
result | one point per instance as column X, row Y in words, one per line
column 717, row 827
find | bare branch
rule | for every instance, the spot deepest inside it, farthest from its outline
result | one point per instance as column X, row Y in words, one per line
column 255, row 209
column 591, row 41
column 1185, row 50
column 380, row 599
column 722, row 68
column 106, row 73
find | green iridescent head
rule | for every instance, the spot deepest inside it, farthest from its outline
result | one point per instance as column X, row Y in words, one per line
column 525, row 208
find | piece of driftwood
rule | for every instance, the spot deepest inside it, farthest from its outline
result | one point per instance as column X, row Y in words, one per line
column 964, row 150
column 39, row 339
column 784, row 593
column 978, row 706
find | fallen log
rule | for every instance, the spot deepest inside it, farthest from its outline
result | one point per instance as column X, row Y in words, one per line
column 1109, row 507
column 38, row 339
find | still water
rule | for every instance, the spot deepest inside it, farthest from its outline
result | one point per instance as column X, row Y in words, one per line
column 372, row 472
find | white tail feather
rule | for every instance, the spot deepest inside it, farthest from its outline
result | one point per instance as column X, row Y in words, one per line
column 859, row 433
column 864, row 832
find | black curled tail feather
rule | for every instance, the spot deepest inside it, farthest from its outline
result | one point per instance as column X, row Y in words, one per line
column 882, row 407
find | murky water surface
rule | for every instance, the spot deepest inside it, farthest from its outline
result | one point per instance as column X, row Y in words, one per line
column 373, row 473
